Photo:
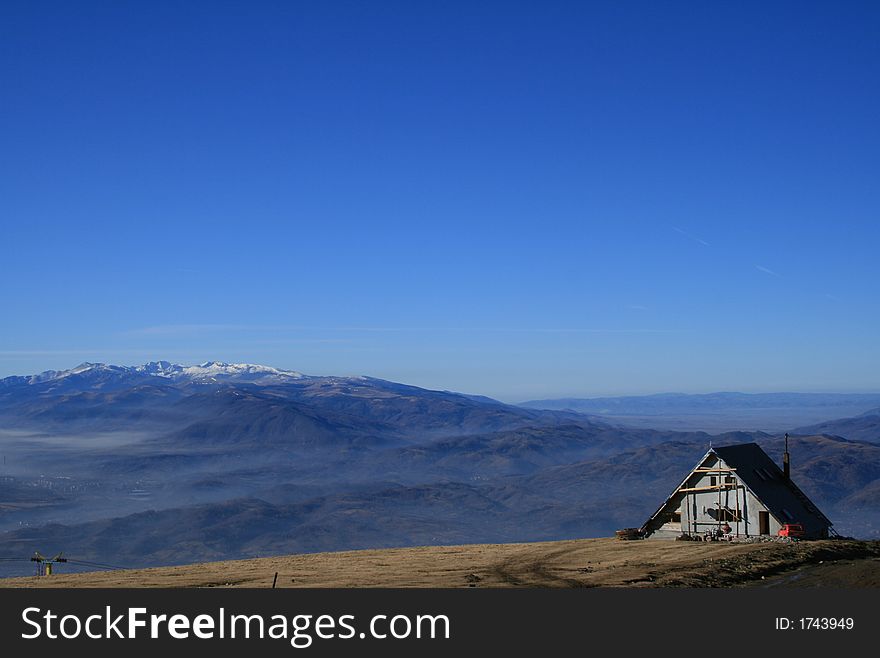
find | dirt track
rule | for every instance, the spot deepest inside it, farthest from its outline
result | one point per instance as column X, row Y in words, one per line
column 576, row 563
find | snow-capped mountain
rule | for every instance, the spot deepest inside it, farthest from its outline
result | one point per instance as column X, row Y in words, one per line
column 210, row 372
column 244, row 401
column 218, row 371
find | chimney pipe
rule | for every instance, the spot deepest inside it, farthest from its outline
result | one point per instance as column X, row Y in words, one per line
column 786, row 460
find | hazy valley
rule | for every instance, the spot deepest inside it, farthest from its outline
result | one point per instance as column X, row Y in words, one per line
column 161, row 464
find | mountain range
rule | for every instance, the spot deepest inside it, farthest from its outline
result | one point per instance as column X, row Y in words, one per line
column 718, row 412
column 164, row 464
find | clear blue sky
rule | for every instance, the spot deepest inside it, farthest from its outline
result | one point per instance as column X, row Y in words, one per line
column 516, row 199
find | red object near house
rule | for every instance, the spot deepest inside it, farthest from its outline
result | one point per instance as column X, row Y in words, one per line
column 791, row 530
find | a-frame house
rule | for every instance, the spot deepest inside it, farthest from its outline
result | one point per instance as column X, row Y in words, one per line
column 737, row 486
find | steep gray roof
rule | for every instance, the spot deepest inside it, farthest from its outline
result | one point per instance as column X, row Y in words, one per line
column 767, row 481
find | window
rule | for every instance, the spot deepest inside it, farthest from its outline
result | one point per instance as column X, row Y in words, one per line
column 787, row 514
column 729, row 479
column 760, row 473
column 712, row 480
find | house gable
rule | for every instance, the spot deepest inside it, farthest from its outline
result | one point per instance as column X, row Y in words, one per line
column 737, row 486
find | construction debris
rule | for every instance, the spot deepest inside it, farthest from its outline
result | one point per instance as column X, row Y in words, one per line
column 629, row 533
column 762, row 539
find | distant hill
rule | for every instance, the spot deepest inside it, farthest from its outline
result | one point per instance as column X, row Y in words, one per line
column 717, row 412
column 865, row 427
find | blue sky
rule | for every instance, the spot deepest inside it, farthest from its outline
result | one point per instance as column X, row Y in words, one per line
column 516, row 199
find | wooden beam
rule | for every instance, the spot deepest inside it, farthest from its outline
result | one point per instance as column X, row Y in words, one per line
column 727, row 485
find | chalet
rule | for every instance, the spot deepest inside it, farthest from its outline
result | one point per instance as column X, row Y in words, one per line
column 741, row 487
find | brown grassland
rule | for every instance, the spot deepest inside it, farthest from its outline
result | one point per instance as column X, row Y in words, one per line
column 605, row 562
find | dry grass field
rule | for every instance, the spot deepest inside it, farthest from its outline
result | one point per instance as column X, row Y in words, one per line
column 603, row 562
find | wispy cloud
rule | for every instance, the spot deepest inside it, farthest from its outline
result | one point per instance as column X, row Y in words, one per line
column 691, row 236
column 184, row 330
column 766, row 270
column 517, row 330
column 29, row 353
column 300, row 341
column 572, row 330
